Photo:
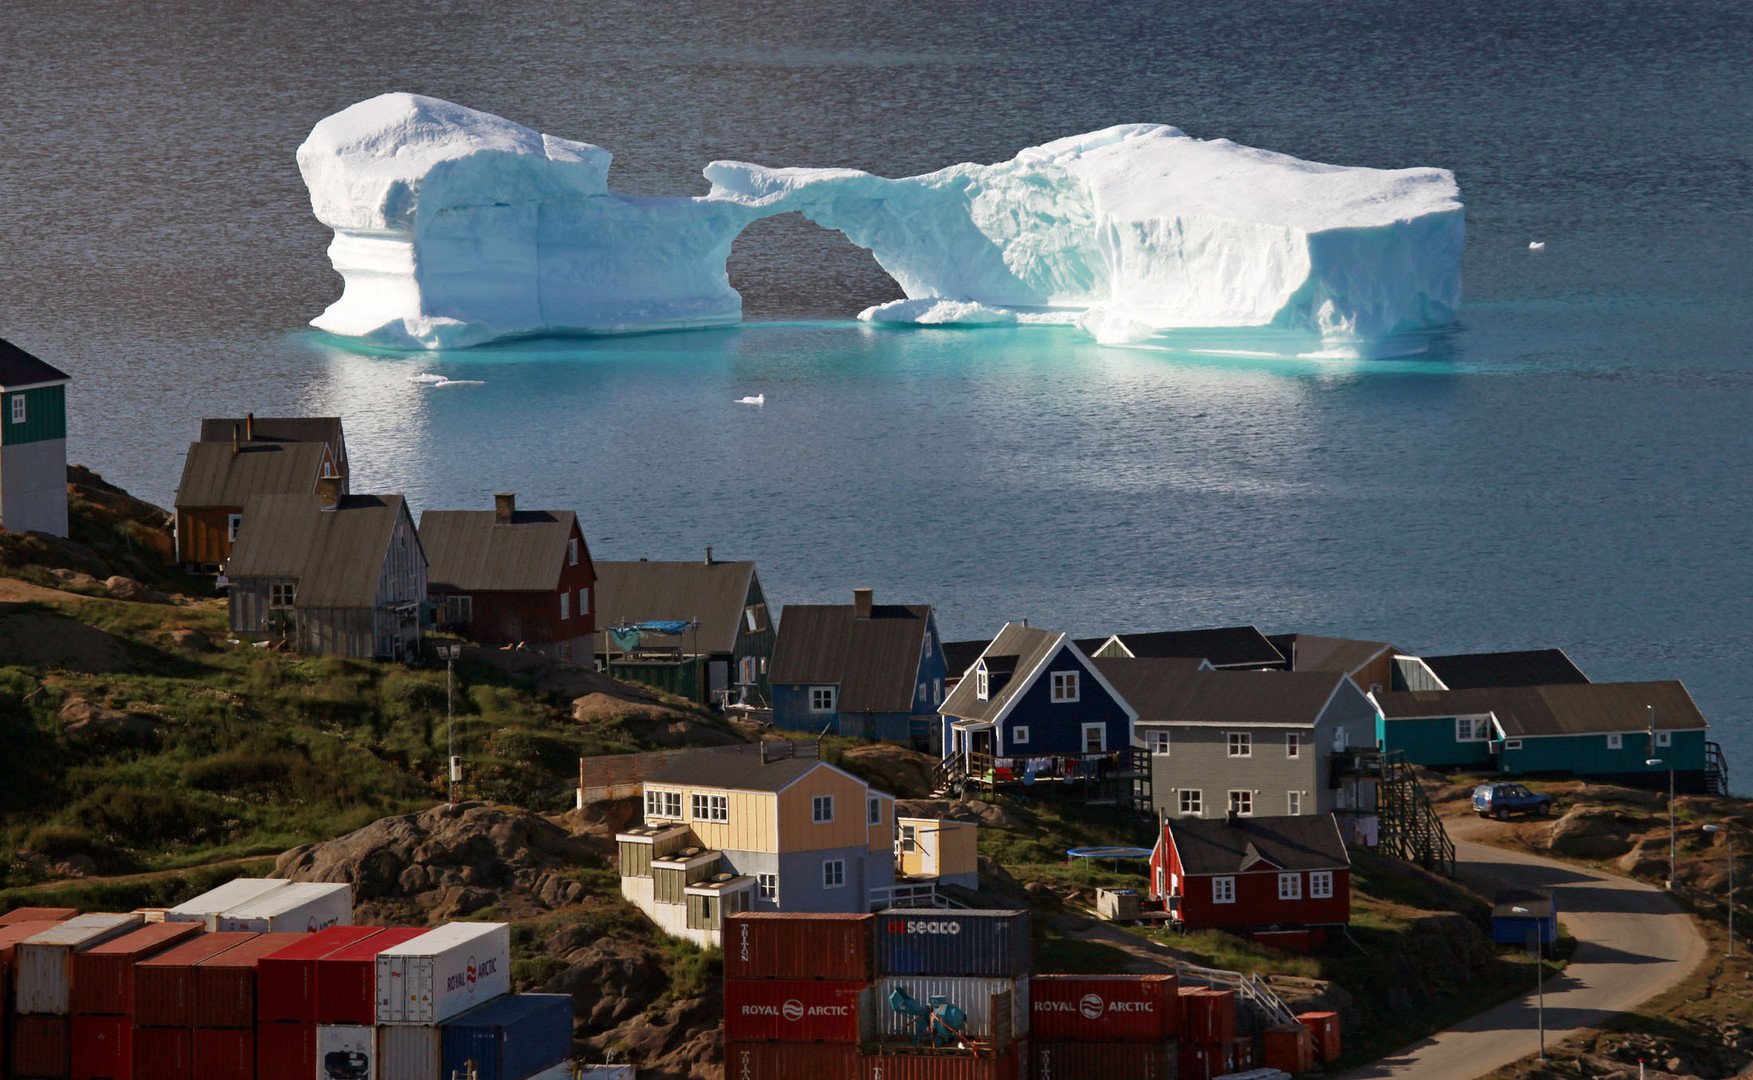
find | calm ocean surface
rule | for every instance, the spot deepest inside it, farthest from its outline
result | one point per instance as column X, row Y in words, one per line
column 1571, row 467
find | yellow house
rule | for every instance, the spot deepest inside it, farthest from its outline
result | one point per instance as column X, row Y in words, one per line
column 946, row 851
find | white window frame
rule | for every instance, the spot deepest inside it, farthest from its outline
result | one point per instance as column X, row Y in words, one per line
column 663, row 804
column 1290, row 886
column 822, row 810
column 1320, row 884
column 924, row 689
column 1293, row 803
column 1472, row 728
column 1223, row 890
column 566, row 605
column 747, row 669
column 833, row 873
column 1512, row 744
column 1615, row 741
column 572, row 551
column 710, row 807
column 874, row 812
column 1664, row 738
column 1157, row 743
column 18, row 409
column 233, row 526
column 1192, row 802
column 823, row 699
column 909, row 838
column 1293, row 744
column 982, row 683
column 584, row 601
column 1067, row 687
column 1101, row 731
column 1239, row 743
column 937, row 691
column 1242, row 801
column 767, row 885
column 1019, row 735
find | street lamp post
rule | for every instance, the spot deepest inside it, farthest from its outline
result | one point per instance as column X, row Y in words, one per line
column 1673, row 842
column 450, row 654
column 1538, row 937
column 1731, row 836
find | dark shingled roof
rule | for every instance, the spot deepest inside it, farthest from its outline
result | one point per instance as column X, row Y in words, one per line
column 875, row 661
column 959, row 656
column 737, row 767
column 1219, row 846
column 1089, row 645
column 336, row 555
column 713, row 593
column 1311, row 652
column 19, row 368
column 1167, row 690
column 1224, row 646
column 470, row 551
column 1022, row 648
column 1574, row 709
column 215, row 475
column 1529, row 667
column 270, row 429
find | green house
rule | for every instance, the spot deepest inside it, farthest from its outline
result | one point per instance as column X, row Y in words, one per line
column 33, row 443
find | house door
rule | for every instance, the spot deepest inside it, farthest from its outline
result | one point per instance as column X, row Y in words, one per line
column 1341, row 740
column 981, row 741
column 717, row 678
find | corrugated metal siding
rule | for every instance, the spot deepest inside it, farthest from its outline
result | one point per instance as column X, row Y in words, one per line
column 998, row 1009
column 1009, row 1065
column 45, row 416
column 945, row 942
column 1085, row 1060
column 45, row 962
column 409, row 1053
column 778, row 1061
column 1105, row 1008
column 779, row 945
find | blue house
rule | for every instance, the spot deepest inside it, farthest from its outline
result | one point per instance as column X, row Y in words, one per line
column 862, row 669
column 1034, row 699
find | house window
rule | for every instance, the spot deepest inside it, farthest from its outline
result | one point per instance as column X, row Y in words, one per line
column 663, row 804
column 1223, row 890
column 1290, row 886
column 746, row 668
column 1615, row 741
column 1095, row 738
column 909, row 838
column 1664, row 738
column 928, row 646
column 1293, row 744
column 876, row 812
column 1512, row 744
column 566, row 605
column 1320, row 885
column 1157, row 742
column 755, row 618
column 924, row 689
column 980, row 684
column 834, row 873
column 584, row 601
column 572, row 552
column 18, row 408
column 1472, row 728
column 1064, row 686
column 768, row 886
column 1192, row 803
column 233, row 523
column 1293, row 803
column 821, row 699
column 822, row 809
column 459, row 609
column 1241, row 744
column 937, row 691
column 281, row 594
column 711, row 807
column 1019, row 735
column 1242, row 802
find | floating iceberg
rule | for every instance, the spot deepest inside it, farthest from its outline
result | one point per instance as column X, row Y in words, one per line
column 455, row 227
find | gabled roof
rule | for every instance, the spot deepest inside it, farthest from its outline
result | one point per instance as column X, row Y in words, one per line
column 1220, row 846
column 215, row 475
column 276, row 429
column 1311, row 652
column 19, row 369
column 712, row 593
column 1528, row 667
column 1023, row 647
column 337, row 556
column 471, row 551
column 1574, row 709
column 740, row 768
column 875, row 661
column 1170, row 691
column 1224, row 646
column 959, row 656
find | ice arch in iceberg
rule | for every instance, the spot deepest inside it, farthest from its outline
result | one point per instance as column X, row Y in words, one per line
column 455, row 227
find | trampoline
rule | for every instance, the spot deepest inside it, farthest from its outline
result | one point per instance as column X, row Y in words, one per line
column 1107, row 853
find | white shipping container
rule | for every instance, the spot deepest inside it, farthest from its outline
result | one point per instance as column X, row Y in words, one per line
column 976, row 997
column 45, row 961
column 301, row 907
column 405, row 1052
column 346, row 1052
column 431, row 978
column 206, row 907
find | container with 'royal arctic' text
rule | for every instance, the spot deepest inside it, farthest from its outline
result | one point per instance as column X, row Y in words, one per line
column 443, row 972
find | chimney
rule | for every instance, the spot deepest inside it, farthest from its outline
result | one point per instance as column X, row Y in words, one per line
column 249, row 427
column 329, row 492
column 861, row 599
column 708, row 554
column 234, row 438
column 504, row 507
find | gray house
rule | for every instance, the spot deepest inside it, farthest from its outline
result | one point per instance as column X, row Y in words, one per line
column 1258, row 742
column 326, row 573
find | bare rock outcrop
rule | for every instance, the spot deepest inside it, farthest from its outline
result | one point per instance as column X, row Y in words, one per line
column 1589, row 832
column 88, row 721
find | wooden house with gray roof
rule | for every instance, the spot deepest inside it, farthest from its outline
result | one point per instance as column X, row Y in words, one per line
column 329, row 574
column 33, row 443
column 244, row 458
column 1281, row 880
column 507, row 576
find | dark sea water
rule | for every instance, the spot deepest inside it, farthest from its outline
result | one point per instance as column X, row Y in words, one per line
column 1571, row 467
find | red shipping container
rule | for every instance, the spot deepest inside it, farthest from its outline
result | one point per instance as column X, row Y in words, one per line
column 1324, row 1028
column 287, row 983
column 225, row 1054
column 792, row 1010
column 1243, row 1055
column 10, row 935
column 1208, row 1015
column 1104, row 1008
column 103, row 1048
column 163, row 1053
column 789, row 1061
column 786, row 945
column 38, row 914
column 1091, row 1060
column 286, row 1051
column 1201, row 1061
column 346, row 987
column 103, row 975
column 944, row 1066
column 39, row 1047
column 222, row 992
column 164, row 985
column 1288, row 1048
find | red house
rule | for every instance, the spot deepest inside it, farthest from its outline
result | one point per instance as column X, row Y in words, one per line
column 507, row 576
column 1281, row 880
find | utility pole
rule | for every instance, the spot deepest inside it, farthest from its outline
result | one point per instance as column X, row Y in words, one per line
column 450, row 654
column 1732, row 853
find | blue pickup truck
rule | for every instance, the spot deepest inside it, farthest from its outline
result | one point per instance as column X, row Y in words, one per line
column 1501, row 800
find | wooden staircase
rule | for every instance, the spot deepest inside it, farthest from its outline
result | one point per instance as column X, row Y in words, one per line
column 1716, row 770
column 1410, row 827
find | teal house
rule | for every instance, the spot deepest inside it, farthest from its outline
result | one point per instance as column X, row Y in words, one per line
column 33, row 443
column 1602, row 731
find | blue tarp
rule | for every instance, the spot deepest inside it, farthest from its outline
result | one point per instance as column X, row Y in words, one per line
column 626, row 637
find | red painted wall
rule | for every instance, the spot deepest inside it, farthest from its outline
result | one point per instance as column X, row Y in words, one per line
column 1257, row 902
column 503, row 618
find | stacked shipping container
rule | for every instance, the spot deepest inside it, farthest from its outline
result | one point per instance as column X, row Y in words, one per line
column 1088, row 1025
column 41, row 1046
column 102, row 998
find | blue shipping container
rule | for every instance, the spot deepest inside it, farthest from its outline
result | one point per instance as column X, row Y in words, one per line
column 512, row 1038
column 934, row 941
